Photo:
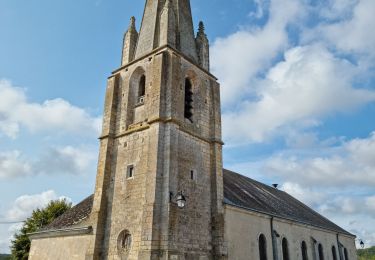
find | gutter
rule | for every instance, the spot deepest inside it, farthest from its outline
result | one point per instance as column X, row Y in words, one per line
column 61, row 232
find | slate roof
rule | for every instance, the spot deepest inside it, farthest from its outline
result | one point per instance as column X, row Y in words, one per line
column 239, row 191
column 73, row 216
column 249, row 194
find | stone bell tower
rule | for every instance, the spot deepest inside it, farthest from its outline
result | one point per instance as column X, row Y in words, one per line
column 161, row 137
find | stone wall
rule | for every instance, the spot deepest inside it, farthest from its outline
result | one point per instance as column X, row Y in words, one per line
column 243, row 227
column 60, row 248
column 164, row 148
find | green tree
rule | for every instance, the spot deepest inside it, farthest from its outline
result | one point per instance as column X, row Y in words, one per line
column 40, row 218
column 366, row 254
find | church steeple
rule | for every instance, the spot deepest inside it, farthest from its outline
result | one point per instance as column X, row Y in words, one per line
column 161, row 139
column 167, row 22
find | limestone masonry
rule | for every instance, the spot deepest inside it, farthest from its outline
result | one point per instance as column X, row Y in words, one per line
column 161, row 191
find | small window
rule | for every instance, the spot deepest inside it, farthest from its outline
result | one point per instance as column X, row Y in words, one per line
column 346, row 254
column 304, row 251
column 193, row 175
column 321, row 253
column 188, row 112
column 285, row 249
column 142, row 86
column 334, row 254
column 130, row 172
column 124, row 241
column 262, row 247
column 141, row 90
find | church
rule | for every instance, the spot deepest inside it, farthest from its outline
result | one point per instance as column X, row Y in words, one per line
column 161, row 191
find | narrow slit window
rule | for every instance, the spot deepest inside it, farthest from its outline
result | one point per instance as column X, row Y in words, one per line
column 320, row 251
column 188, row 112
column 304, row 251
column 262, row 247
column 285, row 249
column 141, row 90
column 334, row 254
column 346, row 254
column 192, row 175
column 130, row 172
column 142, row 86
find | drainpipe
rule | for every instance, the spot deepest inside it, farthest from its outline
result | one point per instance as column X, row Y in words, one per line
column 274, row 241
column 339, row 246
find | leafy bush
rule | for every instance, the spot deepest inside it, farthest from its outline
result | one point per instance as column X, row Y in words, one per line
column 40, row 218
column 366, row 254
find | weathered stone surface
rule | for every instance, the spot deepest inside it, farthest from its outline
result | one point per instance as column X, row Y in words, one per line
column 149, row 152
column 243, row 228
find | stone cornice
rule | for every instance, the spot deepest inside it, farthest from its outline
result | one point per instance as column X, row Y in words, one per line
column 61, row 232
column 159, row 50
column 162, row 120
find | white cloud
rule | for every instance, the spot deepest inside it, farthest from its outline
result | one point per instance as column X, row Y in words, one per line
column 55, row 160
column 24, row 205
column 12, row 165
column 353, row 213
column 69, row 160
column 351, row 164
column 305, row 194
column 309, row 84
column 353, row 34
column 370, row 204
column 55, row 115
column 240, row 56
column 337, row 9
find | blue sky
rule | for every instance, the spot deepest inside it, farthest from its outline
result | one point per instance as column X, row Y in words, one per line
column 298, row 98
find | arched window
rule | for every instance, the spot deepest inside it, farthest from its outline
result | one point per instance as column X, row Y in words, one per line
column 262, row 247
column 304, row 251
column 141, row 88
column 285, row 249
column 320, row 251
column 346, row 254
column 124, row 242
column 188, row 112
column 334, row 254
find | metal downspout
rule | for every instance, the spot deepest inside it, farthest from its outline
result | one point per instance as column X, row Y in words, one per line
column 274, row 242
column 339, row 246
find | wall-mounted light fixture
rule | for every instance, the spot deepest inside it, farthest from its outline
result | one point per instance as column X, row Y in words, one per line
column 179, row 199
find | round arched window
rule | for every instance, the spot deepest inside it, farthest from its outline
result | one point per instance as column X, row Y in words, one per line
column 124, row 242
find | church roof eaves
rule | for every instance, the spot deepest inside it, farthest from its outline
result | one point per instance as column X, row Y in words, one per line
column 73, row 216
column 246, row 193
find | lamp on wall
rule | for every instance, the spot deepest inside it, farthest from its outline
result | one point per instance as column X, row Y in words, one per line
column 362, row 244
column 180, row 199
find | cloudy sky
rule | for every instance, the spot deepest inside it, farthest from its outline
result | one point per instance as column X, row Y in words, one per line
column 298, row 94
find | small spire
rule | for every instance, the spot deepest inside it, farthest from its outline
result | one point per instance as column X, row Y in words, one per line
column 201, row 28
column 132, row 23
column 130, row 42
column 202, row 45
